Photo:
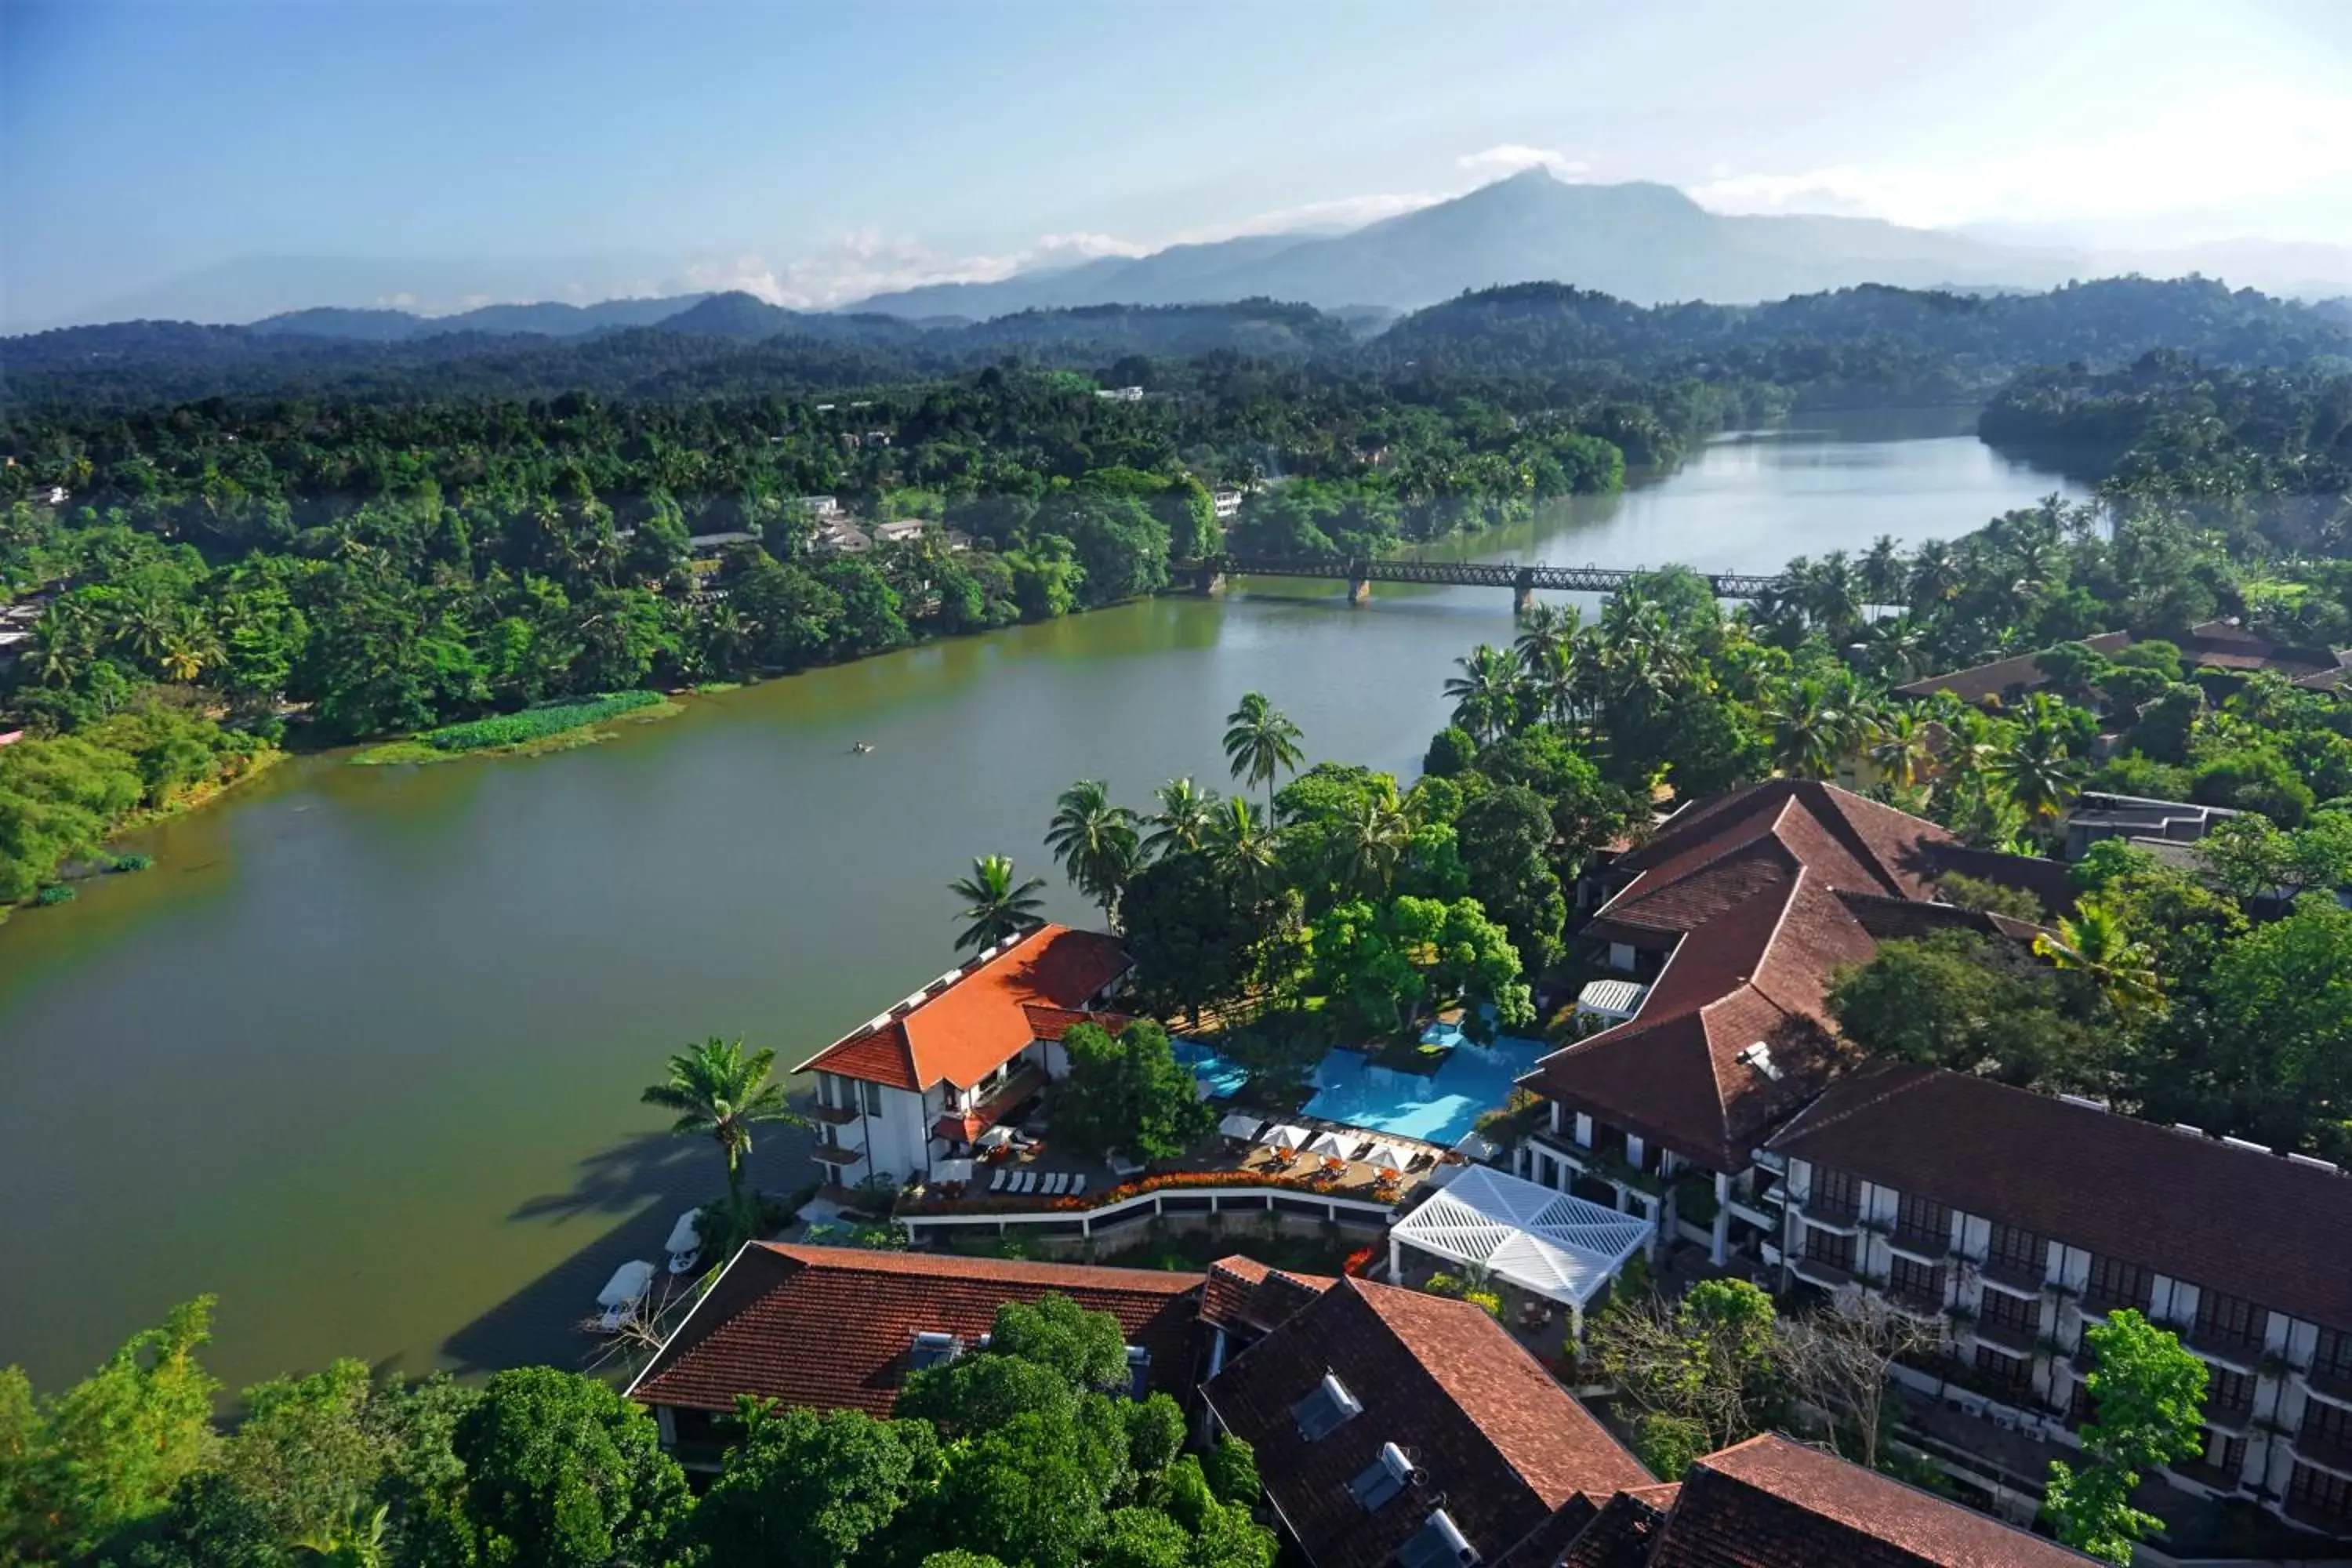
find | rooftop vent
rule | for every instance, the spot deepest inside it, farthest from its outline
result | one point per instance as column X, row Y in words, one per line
column 1322, row 1412
column 2185, row 1127
column 2084, row 1101
column 2241, row 1143
column 879, row 1020
column 912, row 998
column 1383, row 1479
column 1759, row 1057
column 2317, row 1164
column 1438, row 1543
column 933, row 1349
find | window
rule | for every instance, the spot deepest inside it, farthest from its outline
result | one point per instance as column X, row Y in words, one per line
column 1919, row 1284
column 2017, row 1250
column 1389, row 1473
column 2228, row 1391
column 1139, row 1371
column 1321, row 1413
column 2325, row 1427
column 1834, row 1192
column 2231, row 1459
column 873, row 1098
column 1828, row 1247
column 2229, row 1319
column 1438, row 1543
column 1918, row 1219
column 2332, row 1358
column 2316, row 1491
column 2014, row 1314
column 2014, row 1373
column 2114, row 1283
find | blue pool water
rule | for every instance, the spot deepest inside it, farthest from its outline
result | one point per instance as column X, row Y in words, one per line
column 1221, row 1078
column 1439, row 1107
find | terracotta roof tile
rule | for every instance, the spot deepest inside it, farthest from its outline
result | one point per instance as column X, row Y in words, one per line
column 1772, row 1503
column 1489, row 1432
column 1243, row 1293
column 1623, row 1534
column 1763, row 893
column 1979, row 681
column 831, row 1327
column 2183, row 1206
column 965, row 1029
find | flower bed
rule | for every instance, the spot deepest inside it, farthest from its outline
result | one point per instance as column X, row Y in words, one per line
column 1142, row 1187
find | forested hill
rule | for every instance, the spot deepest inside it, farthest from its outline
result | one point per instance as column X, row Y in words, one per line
column 1862, row 344
column 1869, row 344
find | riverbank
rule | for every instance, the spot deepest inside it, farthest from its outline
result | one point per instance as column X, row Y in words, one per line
column 532, row 732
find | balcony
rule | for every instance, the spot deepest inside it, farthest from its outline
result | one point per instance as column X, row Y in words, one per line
column 1814, row 1271
column 1562, row 1147
column 1830, row 1213
column 2331, row 1454
column 2020, row 1338
column 2236, row 1420
column 2098, row 1305
column 2012, row 1278
column 2232, row 1352
column 2333, row 1386
column 836, row 1154
column 1925, row 1306
column 1920, row 1245
column 830, row 1115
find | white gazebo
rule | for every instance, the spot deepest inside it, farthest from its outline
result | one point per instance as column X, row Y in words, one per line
column 1548, row 1243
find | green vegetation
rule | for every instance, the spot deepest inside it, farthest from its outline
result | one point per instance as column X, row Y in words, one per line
column 2147, row 1399
column 721, row 1093
column 995, row 906
column 1026, row 1451
column 536, row 723
column 1128, row 1093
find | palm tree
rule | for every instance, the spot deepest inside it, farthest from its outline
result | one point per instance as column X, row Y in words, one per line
column 1241, row 845
column 1897, row 646
column 1883, row 570
column 995, row 907
column 2036, row 768
column 1557, row 680
column 1486, row 693
column 1260, row 742
column 1937, row 576
column 1367, row 847
column 1095, row 843
column 1904, row 753
column 1809, row 732
column 1547, row 629
column 1182, row 820
column 2093, row 944
column 720, row 1093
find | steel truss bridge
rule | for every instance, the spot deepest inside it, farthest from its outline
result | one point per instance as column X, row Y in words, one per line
column 1359, row 574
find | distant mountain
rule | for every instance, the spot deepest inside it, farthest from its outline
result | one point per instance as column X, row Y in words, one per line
column 542, row 318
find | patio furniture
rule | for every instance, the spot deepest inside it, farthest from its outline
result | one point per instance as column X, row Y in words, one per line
column 1333, row 1165
column 1387, row 1154
column 998, row 1184
column 1054, row 1184
column 1241, row 1129
column 1121, row 1166
column 1078, row 1183
column 1329, row 1144
column 1285, row 1136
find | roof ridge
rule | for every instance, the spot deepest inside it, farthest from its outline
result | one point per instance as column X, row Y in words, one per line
column 1763, row 834
column 1804, row 1122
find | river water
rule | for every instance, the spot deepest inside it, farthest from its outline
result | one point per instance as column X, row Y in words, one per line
column 361, row 1055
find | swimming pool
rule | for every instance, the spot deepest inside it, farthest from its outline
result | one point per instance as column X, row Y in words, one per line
column 1219, row 1078
column 1437, row 1108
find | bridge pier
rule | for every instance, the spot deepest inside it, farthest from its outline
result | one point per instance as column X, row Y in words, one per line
column 1523, row 595
column 1210, row 581
column 1359, row 588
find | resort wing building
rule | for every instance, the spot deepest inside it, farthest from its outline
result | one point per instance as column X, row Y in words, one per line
column 1733, row 919
column 1395, row 1427
column 912, row 1086
column 2011, row 1220
column 838, row 1328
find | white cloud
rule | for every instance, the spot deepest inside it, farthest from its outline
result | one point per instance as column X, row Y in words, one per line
column 1513, row 158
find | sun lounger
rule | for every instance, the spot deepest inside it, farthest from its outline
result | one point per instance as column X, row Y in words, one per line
column 998, row 1184
column 1078, row 1183
column 1028, row 1181
column 1057, row 1184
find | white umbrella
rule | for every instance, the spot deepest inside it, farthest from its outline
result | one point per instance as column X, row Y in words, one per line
column 1239, row 1126
column 951, row 1170
column 995, row 1135
column 686, row 1235
column 1389, row 1156
column 629, row 1283
column 1330, row 1144
column 1285, row 1137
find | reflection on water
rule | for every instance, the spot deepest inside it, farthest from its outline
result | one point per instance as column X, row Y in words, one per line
column 361, row 1053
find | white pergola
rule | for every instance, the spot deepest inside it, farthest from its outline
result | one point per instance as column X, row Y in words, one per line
column 1550, row 1242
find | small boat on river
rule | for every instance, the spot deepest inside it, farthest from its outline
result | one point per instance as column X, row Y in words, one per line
column 685, row 1244
column 624, row 1296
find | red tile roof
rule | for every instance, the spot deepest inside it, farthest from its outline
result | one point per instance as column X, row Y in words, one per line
column 1772, row 1503
column 1979, row 681
column 1762, row 893
column 2187, row 1206
column 1493, row 1438
column 831, row 1327
column 968, row 1027
column 1242, row 1293
column 1622, row 1537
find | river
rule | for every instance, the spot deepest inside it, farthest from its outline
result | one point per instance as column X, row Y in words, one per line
column 361, row 1054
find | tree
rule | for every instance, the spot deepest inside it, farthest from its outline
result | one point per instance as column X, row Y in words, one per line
column 1191, row 931
column 1451, row 751
column 1840, row 1361
column 808, row 1488
column 1261, row 743
column 2282, row 997
column 107, row 1452
column 1704, row 1374
column 563, row 1472
column 720, row 1093
column 1095, row 843
column 1505, row 837
column 1128, row 1093
column 2148, row 1397
column 1962, row 1000
column 2037, row 768
column 2091, row 943
column 1185, row 815
column 1486, row 693
column 1386, row 960
column 995, row 906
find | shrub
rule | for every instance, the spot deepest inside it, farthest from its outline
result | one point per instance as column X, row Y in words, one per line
column 55, row 893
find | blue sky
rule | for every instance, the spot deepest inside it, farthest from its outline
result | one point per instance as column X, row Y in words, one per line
column 815, row 154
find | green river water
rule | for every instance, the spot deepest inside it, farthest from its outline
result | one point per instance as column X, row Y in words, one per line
column 361, row 1054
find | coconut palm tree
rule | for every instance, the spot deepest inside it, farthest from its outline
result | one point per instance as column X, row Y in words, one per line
column 1367, row 847
column 1896, row 647
column 1809, row 730
column 1904, row 752
column 1095, row 843
column 1885, row 572
column 720, row 1093
column 2093, row 943
column 995, row 906
column 1559, row 681
column 1486, row 693
column 1261, row 743
column 1937, row 577
column 1240, row 844
column 2036, row 768
column 1182, row 820
column 1544, row 630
